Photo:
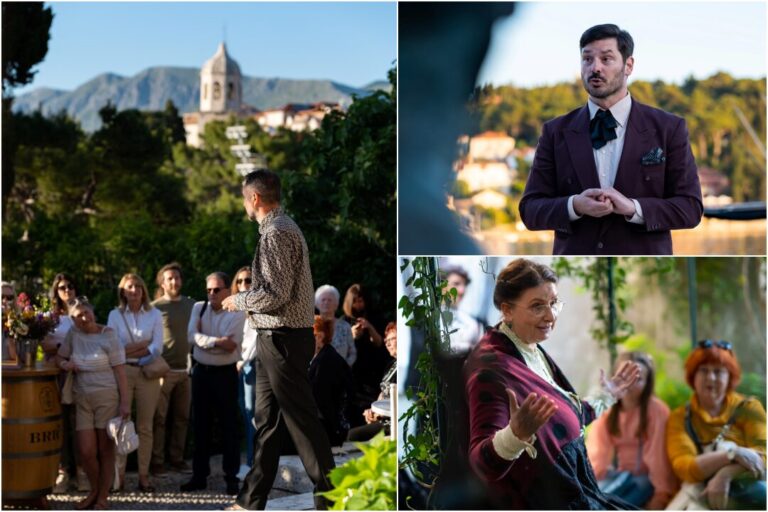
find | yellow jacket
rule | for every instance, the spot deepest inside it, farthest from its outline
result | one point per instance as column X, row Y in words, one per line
column 748, row 430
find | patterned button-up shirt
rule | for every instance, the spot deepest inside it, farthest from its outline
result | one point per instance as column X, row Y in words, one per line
column 282, row 294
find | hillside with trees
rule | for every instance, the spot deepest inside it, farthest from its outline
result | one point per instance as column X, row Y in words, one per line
column 718, row 111
column 132, row 196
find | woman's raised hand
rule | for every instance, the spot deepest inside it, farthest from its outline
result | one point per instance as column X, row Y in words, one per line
column 626, row 375
column 527, row 418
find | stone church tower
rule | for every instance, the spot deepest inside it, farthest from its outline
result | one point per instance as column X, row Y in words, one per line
column 220, row 83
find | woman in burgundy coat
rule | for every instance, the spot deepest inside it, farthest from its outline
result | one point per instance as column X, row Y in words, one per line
column 526, row 420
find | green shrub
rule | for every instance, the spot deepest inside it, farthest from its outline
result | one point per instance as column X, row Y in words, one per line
column 368, row 482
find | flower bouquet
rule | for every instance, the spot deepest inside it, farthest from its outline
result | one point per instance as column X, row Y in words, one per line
column 29, row 323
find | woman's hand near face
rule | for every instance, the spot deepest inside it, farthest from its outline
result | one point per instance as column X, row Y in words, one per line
column 750, row 460
column 624, row 378
column 527, row 418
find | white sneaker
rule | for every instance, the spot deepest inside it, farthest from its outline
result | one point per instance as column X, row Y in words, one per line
column 62, row 482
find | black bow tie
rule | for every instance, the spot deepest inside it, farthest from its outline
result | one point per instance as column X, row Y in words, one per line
column 602, row 128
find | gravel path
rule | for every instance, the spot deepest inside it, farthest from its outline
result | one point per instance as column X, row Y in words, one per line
column 167, row 495
column 291, row 481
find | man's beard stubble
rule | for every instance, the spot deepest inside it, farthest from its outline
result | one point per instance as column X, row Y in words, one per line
column 610, row 87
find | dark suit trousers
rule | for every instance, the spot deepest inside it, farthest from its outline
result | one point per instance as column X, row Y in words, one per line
column 214, row 394
column 283, row 393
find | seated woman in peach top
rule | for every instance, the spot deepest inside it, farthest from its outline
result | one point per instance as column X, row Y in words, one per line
column 631, row 437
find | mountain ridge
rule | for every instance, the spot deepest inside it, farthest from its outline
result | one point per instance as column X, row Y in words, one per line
column 150, row 88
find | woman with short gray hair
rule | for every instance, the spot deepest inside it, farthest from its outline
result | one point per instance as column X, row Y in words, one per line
column 327, row 302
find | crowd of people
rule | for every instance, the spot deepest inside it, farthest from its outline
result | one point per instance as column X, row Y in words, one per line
column 211, row 354
column 527, row 423
column 247, row 347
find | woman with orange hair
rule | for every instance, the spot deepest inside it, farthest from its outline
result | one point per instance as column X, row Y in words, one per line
column 331, row 379
column 716, row 442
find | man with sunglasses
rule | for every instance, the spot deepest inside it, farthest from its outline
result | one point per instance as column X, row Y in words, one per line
column 176, row 390
column 217, row 336
column 280, row 305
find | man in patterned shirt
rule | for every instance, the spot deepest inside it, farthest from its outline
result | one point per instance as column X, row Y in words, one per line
column 280, row 305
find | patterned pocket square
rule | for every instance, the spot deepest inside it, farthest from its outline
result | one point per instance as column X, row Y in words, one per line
column 653, row 157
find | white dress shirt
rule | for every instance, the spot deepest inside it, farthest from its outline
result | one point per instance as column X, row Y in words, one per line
column 607, row 158
column 214, row 325
column 136, row 327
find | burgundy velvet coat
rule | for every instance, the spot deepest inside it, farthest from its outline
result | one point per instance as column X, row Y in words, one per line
column 669, row 192
column 560, row 477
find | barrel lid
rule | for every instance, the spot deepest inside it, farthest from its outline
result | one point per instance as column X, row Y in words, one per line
column 40, row 369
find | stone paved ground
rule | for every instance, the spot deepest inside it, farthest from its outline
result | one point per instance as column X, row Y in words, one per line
column 291, row 491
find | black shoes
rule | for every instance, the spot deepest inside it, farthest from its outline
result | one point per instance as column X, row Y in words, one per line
column 194, row 485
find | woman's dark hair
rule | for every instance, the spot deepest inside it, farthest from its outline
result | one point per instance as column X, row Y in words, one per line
column 354, row 291
column 609, row 31
column 520, row 275
column 613, row 415
column 59, row 305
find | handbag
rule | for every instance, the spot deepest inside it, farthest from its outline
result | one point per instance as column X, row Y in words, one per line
column 67, row 394
column 636, row 489
column 156, row 368
column 123, row 433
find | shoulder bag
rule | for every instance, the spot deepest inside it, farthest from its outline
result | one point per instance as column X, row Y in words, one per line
column 67, row 390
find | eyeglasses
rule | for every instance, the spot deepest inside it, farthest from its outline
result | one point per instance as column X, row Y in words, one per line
column 725, row 345
column 390, row 339
column 246, row 280
column 212, row 290
column 64, row 287
column 8, row 297
column 540, row 310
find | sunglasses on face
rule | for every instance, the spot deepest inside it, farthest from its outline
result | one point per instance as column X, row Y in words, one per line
column 246, row 280
column 64, row 287
column 725, row 345
column 212, row 290
column 8, row 297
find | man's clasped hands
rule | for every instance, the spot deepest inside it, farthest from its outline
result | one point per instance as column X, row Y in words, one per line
column 599, row 202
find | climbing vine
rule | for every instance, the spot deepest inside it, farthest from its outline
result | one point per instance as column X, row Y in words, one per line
column 422, row 309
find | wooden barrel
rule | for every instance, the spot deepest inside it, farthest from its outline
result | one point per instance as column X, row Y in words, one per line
column 32, row 432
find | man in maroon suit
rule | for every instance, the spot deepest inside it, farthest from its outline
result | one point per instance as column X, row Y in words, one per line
column 615, row 176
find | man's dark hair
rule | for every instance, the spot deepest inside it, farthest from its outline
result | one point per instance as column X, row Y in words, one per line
column 159, row 292
column 455, row 269
column 609, row 31
column 266, row 183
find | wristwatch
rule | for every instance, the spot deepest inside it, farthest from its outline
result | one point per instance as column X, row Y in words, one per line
column 731, row 452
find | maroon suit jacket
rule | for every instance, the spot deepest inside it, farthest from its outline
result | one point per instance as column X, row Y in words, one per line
column 668, row 192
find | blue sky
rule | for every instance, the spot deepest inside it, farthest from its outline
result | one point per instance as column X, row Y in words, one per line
column 351, row 43
column 538, row 45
